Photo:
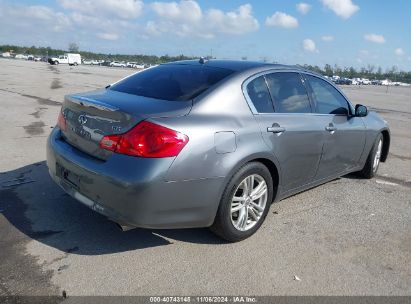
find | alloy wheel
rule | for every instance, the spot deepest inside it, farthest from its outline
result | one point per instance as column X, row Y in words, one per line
column 248, row 202
column 377, row 156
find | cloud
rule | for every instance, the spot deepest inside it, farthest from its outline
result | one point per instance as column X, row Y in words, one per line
column 364, row 53
column 57, row 27
column 374, row 38
column 108, row 36
column 124, row 9
column 186, row 19
column 303, row 8
column 104, row 28
column 152, row 29
column 184, row 11
column 235, row 22
column 309, row 46
column 280, row 19
column 327, row 38
column 31, row 17
column 399, row 52
column 342, row 8
column 38, row 12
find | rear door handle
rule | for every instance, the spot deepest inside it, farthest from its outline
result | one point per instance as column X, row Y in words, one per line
column 275, row 129
column 331, row 128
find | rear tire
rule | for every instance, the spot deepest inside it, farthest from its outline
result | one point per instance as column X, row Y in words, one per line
column 56, row 62
column 373, row 161
column 245, row 203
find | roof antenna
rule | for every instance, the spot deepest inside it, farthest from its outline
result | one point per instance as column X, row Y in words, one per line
column 203, row 60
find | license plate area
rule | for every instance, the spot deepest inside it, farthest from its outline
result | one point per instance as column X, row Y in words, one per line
column 67, row 176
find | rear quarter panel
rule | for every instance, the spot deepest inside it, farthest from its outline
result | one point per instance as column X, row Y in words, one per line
column 224, row 109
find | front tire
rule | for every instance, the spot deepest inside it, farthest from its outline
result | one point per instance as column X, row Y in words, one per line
column 373, row 161
column 245, row 203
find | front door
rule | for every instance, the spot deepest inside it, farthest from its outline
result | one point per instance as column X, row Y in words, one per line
column 344, row 137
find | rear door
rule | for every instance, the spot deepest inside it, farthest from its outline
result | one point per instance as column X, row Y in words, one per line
column 344, row 133
column 283, row 110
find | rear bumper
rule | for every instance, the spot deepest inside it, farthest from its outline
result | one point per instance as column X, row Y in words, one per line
column 133, row 191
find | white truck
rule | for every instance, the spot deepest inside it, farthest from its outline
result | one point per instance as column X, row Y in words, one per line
column 69, row 58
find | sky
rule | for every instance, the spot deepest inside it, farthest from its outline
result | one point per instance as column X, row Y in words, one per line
column 344, row 32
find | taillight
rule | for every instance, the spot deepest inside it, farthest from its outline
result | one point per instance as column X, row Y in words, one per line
column 61, row 121
column 146, row 140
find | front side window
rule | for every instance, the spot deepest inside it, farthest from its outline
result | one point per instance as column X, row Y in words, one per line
column 260, row 96
column 288, row 92
column 177, row 82
column 329, row 100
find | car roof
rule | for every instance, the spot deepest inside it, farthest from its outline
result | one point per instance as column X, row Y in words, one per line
column 234, row 65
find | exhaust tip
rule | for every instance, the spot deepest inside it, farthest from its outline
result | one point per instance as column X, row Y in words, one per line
column 124, row 228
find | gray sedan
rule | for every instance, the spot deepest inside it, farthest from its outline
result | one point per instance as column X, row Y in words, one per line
column 209, row 144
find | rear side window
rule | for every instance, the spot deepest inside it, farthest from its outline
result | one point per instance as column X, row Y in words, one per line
column 177, row 82
column 329, row 100
column 258, row 92
column 288, row 92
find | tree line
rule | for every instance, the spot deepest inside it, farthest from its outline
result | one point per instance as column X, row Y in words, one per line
column 48, row 51
column 371, row 72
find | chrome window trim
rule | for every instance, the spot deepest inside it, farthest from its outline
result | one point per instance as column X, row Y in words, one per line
column 301, row 72
column 350, row 106
column 245, row 92
column 263, row 73
column 292, row 114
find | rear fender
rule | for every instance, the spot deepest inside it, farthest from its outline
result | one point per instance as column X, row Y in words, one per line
column 261, row 157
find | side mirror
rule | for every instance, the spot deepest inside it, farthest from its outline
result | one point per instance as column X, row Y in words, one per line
column 361, row 111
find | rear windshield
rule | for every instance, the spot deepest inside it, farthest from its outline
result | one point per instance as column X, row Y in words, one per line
column 172, row 82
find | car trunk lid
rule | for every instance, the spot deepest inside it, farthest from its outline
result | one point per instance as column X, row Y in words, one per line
column 91, row 116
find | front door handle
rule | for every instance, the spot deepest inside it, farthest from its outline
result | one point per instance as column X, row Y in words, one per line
column 275, row 129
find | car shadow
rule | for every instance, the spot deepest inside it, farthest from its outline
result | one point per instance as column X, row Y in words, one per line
column 37, row 207
column 353, row 175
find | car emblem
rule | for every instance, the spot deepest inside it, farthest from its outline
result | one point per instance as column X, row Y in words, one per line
column 82, row 119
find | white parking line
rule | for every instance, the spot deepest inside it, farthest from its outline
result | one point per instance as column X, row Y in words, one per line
column 385, row 183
